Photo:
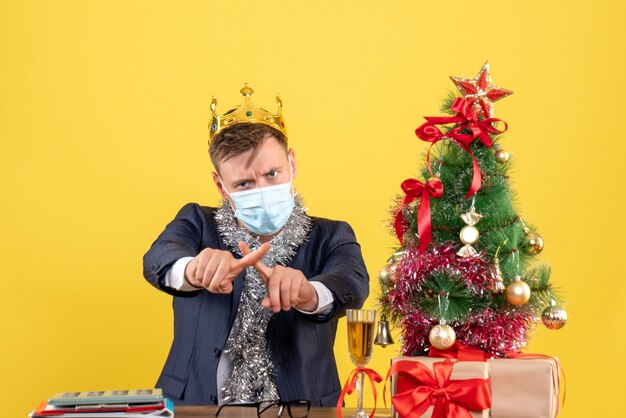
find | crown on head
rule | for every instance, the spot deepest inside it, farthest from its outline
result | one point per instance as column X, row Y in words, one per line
column 246, row 113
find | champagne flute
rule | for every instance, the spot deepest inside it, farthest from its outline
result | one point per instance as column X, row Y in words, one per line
column 360, row 345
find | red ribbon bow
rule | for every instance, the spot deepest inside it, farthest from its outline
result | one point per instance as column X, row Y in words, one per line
column 351, row 385
column 468, row 128
column 414, row 189
column 450, row 398
column 460, row 352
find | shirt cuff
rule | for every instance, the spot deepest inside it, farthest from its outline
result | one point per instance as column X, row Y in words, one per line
column 325, row 299
column 175, row 276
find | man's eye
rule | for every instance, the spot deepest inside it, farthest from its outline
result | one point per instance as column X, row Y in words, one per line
column 272, row 174
column 243, row 184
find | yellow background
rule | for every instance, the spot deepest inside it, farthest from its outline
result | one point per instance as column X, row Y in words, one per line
column 103, row 130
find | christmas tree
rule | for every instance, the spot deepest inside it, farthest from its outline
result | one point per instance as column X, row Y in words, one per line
column 466, row 266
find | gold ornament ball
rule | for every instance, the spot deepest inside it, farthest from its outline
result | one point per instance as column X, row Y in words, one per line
column 502, row 156
column 554, row 317
column 469, row 235
column 442, row 336
column 533, row 243
column 517, row 293
column 388, row 273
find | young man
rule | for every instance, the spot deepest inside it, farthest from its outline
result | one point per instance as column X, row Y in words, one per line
column 258, row 285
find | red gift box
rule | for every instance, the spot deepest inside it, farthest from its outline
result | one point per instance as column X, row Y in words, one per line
column 435, row 387
column 522, row 387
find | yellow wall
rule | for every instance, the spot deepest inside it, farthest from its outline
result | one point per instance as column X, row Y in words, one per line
column 103, row 114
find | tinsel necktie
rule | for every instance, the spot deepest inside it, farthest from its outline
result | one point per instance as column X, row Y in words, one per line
column 252, row 376
column 252, row 372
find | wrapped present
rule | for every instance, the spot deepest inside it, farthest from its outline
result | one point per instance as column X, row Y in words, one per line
column 526, row 387
column 439, row 388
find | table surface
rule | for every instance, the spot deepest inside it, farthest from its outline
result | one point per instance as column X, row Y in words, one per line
column 209, row 412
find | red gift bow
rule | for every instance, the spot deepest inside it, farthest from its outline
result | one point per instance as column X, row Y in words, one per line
column 450, row 398
column 460, row 352
column 351, row 385
column 414, row 189
column 465, row 120
column 559, row 370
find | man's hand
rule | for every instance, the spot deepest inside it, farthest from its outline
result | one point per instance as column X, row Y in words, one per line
column 215, row 270
column 286, row 287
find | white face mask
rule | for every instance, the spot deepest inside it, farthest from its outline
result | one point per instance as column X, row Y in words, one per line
column 264, row 210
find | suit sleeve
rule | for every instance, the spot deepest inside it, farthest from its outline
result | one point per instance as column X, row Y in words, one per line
column 343, row 271
column 181, row 238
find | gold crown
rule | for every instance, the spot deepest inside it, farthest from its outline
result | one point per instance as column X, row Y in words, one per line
column 246, row 113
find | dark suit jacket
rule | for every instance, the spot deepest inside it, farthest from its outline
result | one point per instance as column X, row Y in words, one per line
column 300, row 345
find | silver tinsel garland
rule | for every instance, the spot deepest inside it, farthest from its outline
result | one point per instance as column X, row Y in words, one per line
column 252, row 376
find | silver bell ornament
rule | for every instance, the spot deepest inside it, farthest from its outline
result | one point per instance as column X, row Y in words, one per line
column 383, row 334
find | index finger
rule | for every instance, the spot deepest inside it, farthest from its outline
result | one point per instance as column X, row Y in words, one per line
column 263, row 270
column 250, row 257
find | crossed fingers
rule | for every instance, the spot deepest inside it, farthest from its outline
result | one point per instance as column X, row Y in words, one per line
column 215, row 270
column 286, row 287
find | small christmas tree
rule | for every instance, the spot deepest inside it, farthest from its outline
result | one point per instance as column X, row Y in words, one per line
column 465, row 268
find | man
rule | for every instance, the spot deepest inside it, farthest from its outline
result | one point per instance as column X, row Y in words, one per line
column 258, row 285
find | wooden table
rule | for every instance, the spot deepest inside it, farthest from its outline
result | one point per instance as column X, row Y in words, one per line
column 209, row 412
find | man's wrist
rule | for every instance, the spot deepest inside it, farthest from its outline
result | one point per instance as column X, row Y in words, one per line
column 175, row 276
column 313, row 302
column 324, row 300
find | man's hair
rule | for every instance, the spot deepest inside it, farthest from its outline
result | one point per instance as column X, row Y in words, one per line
column 241, row 138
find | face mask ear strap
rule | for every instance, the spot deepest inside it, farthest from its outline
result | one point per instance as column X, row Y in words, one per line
column 224, row 186
column 232, row 206
column 290, row 169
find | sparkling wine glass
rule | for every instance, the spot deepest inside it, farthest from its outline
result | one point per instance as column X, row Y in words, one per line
column 360, row 344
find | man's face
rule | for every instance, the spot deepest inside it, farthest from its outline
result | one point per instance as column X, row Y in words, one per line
column 270, row 166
